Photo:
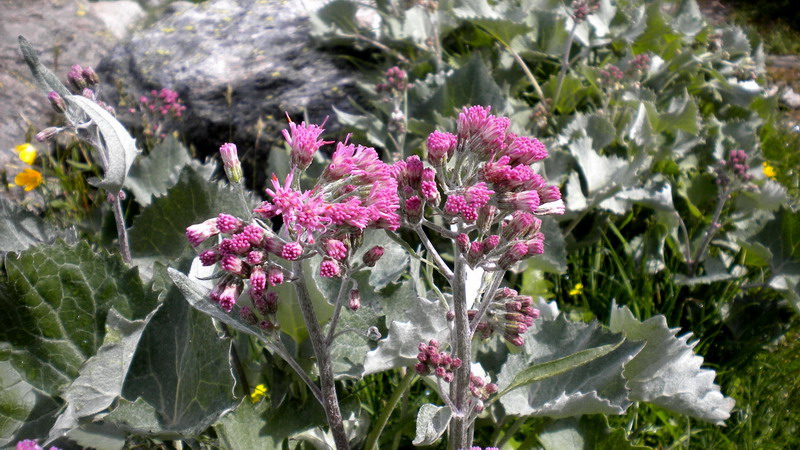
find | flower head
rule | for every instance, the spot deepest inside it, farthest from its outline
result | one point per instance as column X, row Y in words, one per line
column 230, row 160
column 304, row 142
column 29, row 179
column 259, row 392
column 769, row 171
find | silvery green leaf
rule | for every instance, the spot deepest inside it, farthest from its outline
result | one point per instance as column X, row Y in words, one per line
column 781, row 237
column 689, row 20
column 44, row 78
column 735, row 41
column 633, row 26
column 120, row 146
column 715, row 270
column 432, row 422
column 640, row 130
column 152, row 175
column 595, row 387
column 649, row 248
column 100, row 379
column 180, row 376
column 594, row 126
column 392, row 264
column 20, row 229
column 416, row 25
column 667, row 372
column 585, row 433
column 242, row 427
column 472, row 84
column 411, row 320
column 25, row 411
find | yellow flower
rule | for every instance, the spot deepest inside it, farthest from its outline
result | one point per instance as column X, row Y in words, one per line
column 258, row 393
column 28, row 178
column 769, row 171
column 576, row 290
column 27, row 153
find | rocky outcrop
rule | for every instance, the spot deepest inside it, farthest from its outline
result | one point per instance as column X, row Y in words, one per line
column 65, row 32
column 235, row 64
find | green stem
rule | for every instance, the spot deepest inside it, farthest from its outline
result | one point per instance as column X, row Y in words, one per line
column 383, row 419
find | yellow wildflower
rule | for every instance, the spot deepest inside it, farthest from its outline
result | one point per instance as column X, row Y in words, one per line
column 27, row 153
column 258, row 393
column 769, row 171
column 28, row 178
column 576, row 290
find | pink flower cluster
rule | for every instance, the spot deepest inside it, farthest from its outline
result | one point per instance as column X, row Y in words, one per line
column 734, row 169
column 355, row 192
column 164, row 102
column 29, row 444
column 509, row 314
column 490, row 184
column 396, row 80
column 443, row 365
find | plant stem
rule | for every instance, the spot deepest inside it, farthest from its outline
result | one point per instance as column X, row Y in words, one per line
column 712, row 230
column 237, row 362
column 335, row 319
column 122, row 232
column 497, row 278
column 434, row 254
column 564, row 64
column 321, row 350
column 405, row 383
column 459, row 424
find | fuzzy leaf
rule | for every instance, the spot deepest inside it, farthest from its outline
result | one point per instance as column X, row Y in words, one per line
column 472, row 84
column 44, row 78
column 689, row 20
column 55, row 300
column 781, row 238
column 159, row 231
column 596, row 387
column 392, row 264
column 432, row 422
column 667, row 372
column 100, row 379
column 411, row 320
column 180, row 376
column 20, row 229
column 120, row 146
column 242, row 427
column 25, row 411
column 542, row 371
column 153, row 174
column 587, row 432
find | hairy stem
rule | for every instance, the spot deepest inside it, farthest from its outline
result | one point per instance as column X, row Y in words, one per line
column 459, row 425
column 440, row 264
column 712, row 230
column 339, row 302
column 383, row 419
column 122, row 232
column 321, row 350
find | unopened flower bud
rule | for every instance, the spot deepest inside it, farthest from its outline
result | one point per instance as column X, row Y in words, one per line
column 75, row 77
column 230, row 160
column 462, row 241
column 372, row 256
column 46, row 134
column 57, row 102
column 355, row 300
column 247, row 315
column 88, row 93
column 329, row 269
column 90, row 76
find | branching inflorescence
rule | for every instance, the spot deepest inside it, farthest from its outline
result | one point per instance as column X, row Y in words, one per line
column 478, row 190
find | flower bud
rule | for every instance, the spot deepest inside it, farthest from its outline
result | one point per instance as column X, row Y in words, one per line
column 90, row 76
column 355, row 300
column 46, row 134
column 329, row 269
column 88, row 93
column 462, row 242
column 247, row 315
column 372, row 256
column 440, row 147
column 230, row 160
column 75, row 77
column 57, row 102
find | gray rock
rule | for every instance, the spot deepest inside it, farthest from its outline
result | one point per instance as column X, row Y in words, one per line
column 233, row 62
column 790, row 98
column 65, row 32
column 119, row 16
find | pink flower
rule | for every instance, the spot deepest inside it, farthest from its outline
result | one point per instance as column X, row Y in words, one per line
column 527, row 201
column 198, row 233
column 329, row 268
column 275, row 276
column 229, row 224
column 335, row 249
column 258, row 279
column 304, row 142
column 525, row 150
column 440, row 147
column 291, row 251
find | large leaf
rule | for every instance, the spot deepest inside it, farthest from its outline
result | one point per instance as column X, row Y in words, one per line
column 595, row 387
column 100, row 380
column 118, row 146
column 56, row 299
column 587, row 433
column 25, row 412
column 667, row 372
column 20, row 229
column 153, row 174
column 472, row 84
column 158, row 232
column 180, row 381
column 432, row 422
column 392, row 264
